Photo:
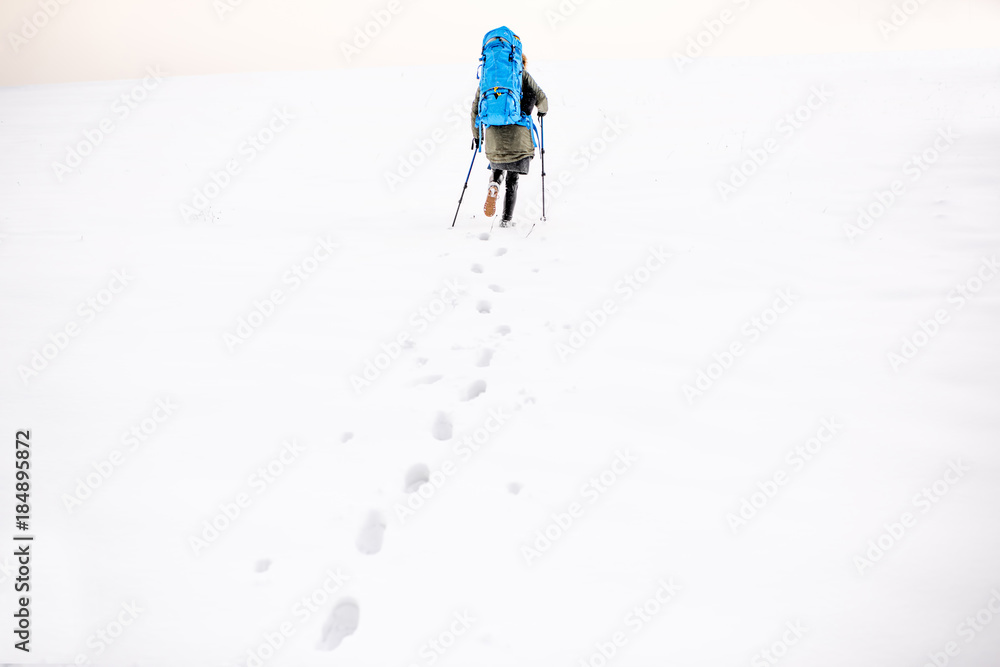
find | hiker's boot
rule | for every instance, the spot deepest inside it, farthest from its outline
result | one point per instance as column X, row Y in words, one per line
column 490, row 209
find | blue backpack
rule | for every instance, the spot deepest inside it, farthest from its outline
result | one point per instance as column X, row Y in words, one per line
column 500, row 72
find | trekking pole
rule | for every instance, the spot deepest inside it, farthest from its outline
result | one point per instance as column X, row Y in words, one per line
column 467, row 176
column 541, row 120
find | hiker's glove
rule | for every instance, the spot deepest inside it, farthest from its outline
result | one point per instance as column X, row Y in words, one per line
column 541, row 114
column 475, row 143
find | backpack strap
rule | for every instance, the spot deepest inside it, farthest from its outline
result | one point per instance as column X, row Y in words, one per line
column 534, row 132
column 529, row 122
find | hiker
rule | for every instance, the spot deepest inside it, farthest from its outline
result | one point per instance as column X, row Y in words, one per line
column 509, row 147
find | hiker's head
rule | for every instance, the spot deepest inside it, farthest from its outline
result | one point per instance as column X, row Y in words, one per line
column 524, row 60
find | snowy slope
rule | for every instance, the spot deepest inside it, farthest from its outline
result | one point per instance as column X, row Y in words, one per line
column 566, row 353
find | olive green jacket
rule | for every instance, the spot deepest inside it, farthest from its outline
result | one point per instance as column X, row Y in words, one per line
column 510, row 143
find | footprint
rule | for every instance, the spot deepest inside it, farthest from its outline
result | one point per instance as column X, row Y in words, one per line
column 340, row 624
column 477, row 268
column 503, row 330
column 501, row 252
column 346, row 436
column 485, row 236
column 422, row 361
column 514, row 488
column 484, row 306
column 427, row 379
column 496, row 288
column 369, row 540
column 262, row 566
column 442, row 428
column 485, row 358
column 474, row 390
column 416, row 477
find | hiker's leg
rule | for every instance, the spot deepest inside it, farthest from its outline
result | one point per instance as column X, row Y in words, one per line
column 490, row 209
column 510, row 197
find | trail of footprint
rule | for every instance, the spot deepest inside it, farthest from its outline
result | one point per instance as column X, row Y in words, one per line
column 370, row 538
column 442, row 428
column 427, row 379
column 501, row 252
column 474, row 390
column 477, row 268
column 503, row 330
column 416, row 477
column 485, row 236
column 496, row 288
column 485, row 358
column 484, row 306
column 340, row 624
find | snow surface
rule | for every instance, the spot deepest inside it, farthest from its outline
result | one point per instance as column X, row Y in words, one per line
column 458, row 564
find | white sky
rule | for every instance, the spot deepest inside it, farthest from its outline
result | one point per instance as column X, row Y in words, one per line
column 114, row 39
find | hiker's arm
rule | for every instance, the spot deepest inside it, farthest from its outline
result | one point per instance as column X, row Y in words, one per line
column 475, row 112
column 541, row 101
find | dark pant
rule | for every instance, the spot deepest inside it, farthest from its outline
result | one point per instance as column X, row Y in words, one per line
column 510, row 196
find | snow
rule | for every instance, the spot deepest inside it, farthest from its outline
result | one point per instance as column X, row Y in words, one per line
column 641, row 257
